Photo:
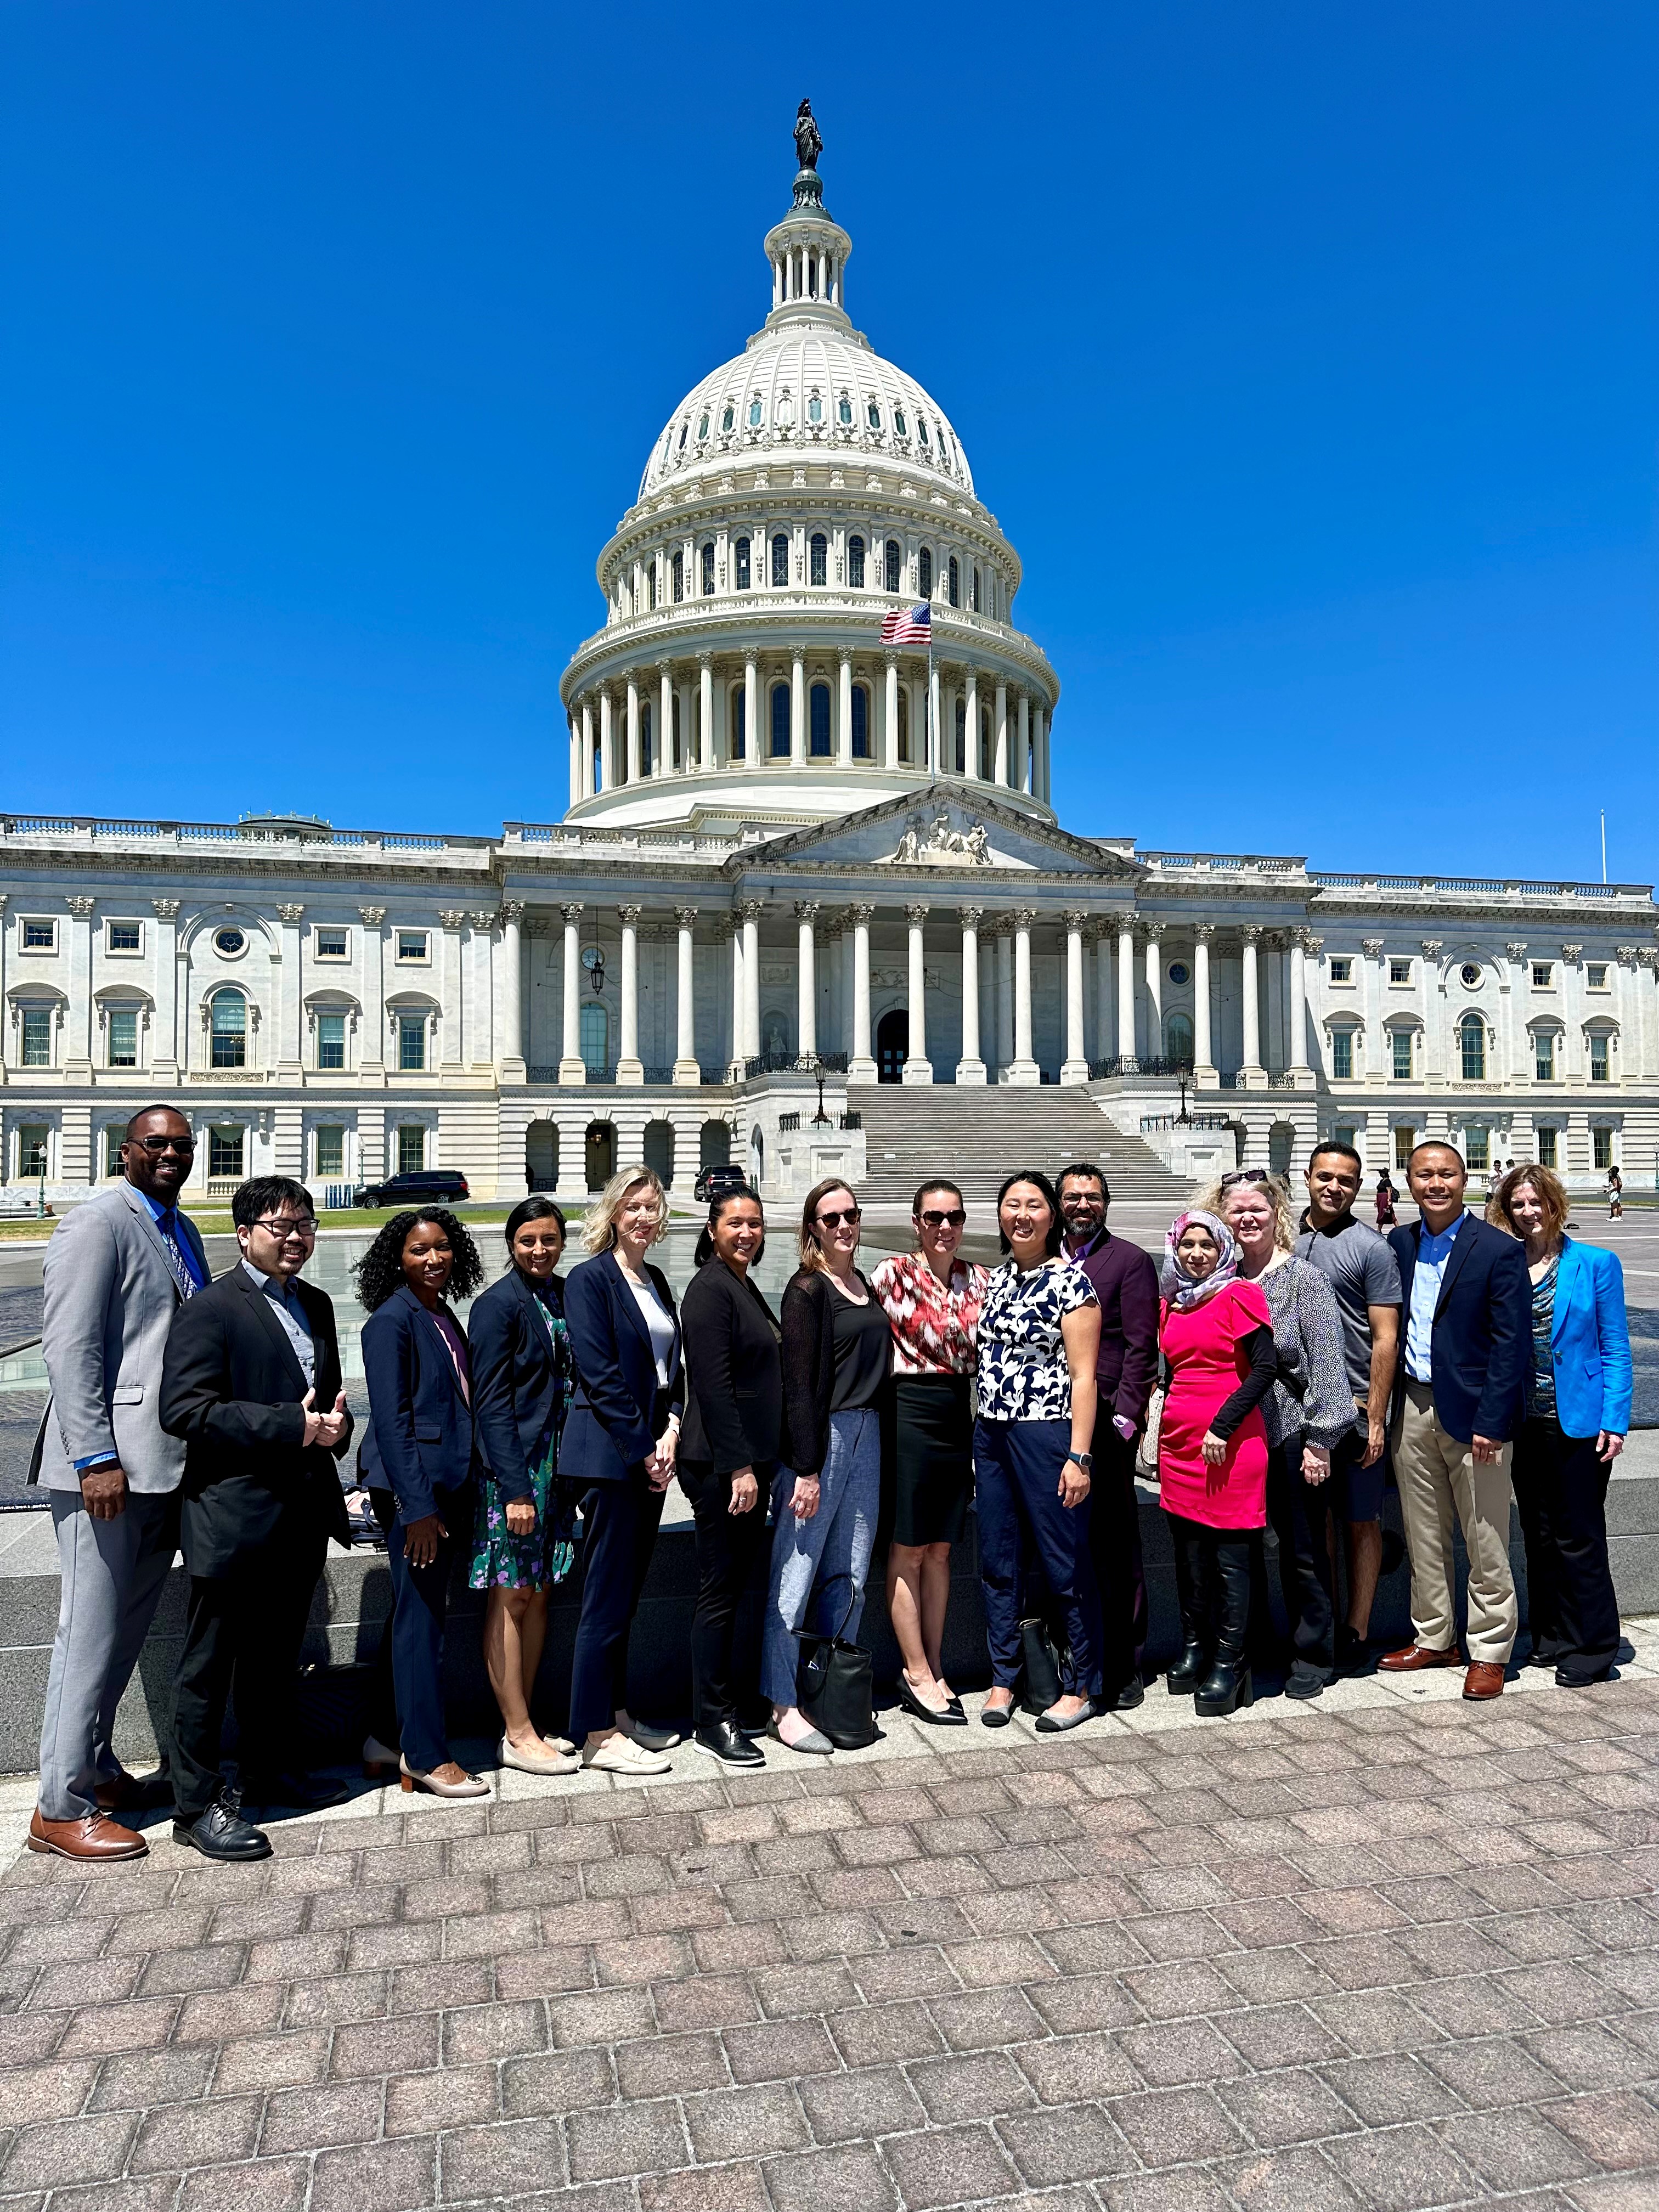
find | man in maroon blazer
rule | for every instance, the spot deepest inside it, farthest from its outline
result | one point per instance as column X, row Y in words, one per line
column 1125, row 1283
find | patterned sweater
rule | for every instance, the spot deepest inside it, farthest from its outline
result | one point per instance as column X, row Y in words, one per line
column 1312, row 1397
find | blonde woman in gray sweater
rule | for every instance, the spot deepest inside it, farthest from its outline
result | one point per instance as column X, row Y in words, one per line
column 1309, row 1409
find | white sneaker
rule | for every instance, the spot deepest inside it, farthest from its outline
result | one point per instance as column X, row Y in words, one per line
column 624, row 1754
column 651, row 1739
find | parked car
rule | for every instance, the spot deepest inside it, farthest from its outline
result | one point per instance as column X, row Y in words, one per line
column 714, row 1182
column 428, row 1187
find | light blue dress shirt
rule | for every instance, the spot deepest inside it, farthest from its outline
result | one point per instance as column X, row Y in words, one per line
column 1432, row 1253
column 292, row 1315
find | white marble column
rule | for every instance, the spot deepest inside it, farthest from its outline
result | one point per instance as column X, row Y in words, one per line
column 572, row 1067
column 736, row 926
column 451, row 1026
column 164, row 1053
column 844, row 710
column 686, row 1070
column 1005, row 999
column 917, row 1067
column 478, row 1049
column 78, row 1054
column 630, row 1068
column 1125, row 992
column 753, row 749
column 944, row 744
column 575, row 761
column 1101, row 934
column 509, row 1057
column 806, row 977
column 1296, row 1057
column 704, row 758
column 971, row 761
column 999, row 765
column 861, row 1067
column 891, row 713
column 633, row 729
column 971, row 1068
column 1154, row 958
column 1204, row 1068
column 1434, row 1041
column 1075, row 1067
column 587, row 748
column 752, row 911
column 608, row 776
column 1022, row 1069
column 797, row 711
column 1022, row 756
column 1253, row 1073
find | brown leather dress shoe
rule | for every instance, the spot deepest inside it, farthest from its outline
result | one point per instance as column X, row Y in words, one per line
column 95, row 1837
column 1483, row 1680
column 134, row 1793
column 1415, row 1657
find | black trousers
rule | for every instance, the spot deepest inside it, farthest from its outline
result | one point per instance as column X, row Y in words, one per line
column 619, row 1533
column 1561, row 1494
column 1115, row 1547
column 1212, row 1583
column 732, row 1550
column 242, row 1637
column 1300, row 1512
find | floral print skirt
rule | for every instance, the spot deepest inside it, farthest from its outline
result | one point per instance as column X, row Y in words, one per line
column 502, row 1560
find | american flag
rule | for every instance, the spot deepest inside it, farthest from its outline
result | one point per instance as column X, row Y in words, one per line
column 915, row 626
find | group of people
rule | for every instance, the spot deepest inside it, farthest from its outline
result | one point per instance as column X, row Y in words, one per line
column 1266, row 1375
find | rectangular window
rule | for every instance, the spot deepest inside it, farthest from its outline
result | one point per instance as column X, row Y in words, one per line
column 593, row 1034
column 1543, row 975
column 1404, row 1138
column 331, row 1150
column 412, row 1044
column 743, row 564
column 739, row 723
column 1400, row 971
column 1543, row 1049
column 228, row 1028
column 1341, row 1054
column 37, row 1036
column 330, row 1040
column 330, row 944
column 1344, row 1133
column 780, row 561
column 1341, row 970
column 1477, row 1149
column 411, row 945
column 33, row 1140
column 123, row 1036
column 819, row 722
column 1546, row 1141
column 860, row 723
column 124, row 936
column 1602, row 1142
column 1596, row 975
column 779, row 721
column 40, row 936
column 1600, row 1049
column 1400, row 1051
column 114, row 1137
column 225, row 1152
column 412, row 1147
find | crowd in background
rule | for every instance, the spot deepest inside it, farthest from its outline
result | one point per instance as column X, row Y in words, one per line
column 1281, row 1363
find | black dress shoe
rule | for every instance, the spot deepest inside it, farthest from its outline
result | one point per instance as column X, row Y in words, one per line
column 945, row 1716
column 1133, row 1693
column 221, row 1832
column 299, row 1793
column 726, row 1740
column 1048, row 1724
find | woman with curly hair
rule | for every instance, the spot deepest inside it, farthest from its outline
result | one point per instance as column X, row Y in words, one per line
column 416, row 1462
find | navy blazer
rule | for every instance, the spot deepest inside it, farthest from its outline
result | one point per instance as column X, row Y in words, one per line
column 516, row 1379
column 618, row 1410
column 418, row 1439
column 1480, row 1349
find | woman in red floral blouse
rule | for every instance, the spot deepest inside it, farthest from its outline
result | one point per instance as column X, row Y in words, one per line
column 932, row 1298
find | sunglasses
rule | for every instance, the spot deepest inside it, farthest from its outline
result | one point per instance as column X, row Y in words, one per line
column 1245, row 1175
column 156, row 1145
column 953, row 1219
column 848, row 1214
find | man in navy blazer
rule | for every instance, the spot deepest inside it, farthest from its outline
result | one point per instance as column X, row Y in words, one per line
column 1466, row 1347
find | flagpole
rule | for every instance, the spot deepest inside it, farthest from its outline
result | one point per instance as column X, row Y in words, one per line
column 932, row 734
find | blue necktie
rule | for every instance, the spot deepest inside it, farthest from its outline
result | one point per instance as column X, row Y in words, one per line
column 167, row 1223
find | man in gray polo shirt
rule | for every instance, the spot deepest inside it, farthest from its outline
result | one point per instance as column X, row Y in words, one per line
column 1365, row 1276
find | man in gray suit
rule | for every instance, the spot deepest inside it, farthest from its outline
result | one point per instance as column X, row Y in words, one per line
column 115, row 1273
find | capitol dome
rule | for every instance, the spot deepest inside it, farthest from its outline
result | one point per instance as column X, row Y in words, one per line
column 797, row 495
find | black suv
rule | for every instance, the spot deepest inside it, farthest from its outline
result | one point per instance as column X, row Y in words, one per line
column 430, row 1187
column 715, row 1183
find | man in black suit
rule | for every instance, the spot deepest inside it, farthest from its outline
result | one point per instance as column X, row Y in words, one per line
column 1466, row 1347
column 248, row 1366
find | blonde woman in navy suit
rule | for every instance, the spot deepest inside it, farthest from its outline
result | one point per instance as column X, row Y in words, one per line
column 618, row 1448
column 1577, row 1415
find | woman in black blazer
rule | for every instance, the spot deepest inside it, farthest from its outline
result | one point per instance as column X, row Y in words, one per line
column 526, row 1517
column 729, row 1449
column 416, row 1462
column 618, row 1448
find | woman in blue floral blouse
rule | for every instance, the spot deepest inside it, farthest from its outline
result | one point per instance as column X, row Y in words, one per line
column 522, row 1371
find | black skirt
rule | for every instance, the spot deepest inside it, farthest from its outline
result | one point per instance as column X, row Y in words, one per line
column 933, row 1457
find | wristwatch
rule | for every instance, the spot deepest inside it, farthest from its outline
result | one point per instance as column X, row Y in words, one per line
column 1085, row 1460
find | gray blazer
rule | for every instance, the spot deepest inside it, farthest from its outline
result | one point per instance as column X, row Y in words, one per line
column 110, row 1299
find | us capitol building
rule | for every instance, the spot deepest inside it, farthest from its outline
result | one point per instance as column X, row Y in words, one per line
column 792, row 852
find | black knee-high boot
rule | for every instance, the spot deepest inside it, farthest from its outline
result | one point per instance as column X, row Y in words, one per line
column 1192, row 1593
column 1227, row 1686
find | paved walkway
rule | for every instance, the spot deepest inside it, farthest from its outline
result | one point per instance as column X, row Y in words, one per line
column 1390, row 1950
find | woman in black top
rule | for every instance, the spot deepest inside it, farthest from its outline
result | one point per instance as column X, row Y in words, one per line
column 837, row 1349
column 729, row 1449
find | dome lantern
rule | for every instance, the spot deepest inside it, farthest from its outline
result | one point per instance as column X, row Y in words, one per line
column 808, row 250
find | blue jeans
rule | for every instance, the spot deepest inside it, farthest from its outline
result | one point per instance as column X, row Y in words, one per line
column 1017, row 1468
column 818, row 1566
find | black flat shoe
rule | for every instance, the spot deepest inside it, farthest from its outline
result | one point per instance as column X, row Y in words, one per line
column 221, row 1832
column 995, row 1715
column 1090, row 1708
column 298, row 1793
column 724, row 1741
column 935, row 1716
column 1133, row 1693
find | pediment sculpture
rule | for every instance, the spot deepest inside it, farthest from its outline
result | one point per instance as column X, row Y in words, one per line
column 925, row 841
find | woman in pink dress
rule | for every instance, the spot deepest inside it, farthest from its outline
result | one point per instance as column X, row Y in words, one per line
column 1217, row 1342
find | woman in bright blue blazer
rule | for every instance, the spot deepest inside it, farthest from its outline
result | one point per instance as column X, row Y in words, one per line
column 1578, row 1413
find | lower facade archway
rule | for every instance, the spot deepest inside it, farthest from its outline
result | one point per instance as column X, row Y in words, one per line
column 892, row 1046
column 659, row 1151
column 601, row 1154
column 541, row 1156
column 1281, row 1147
column 714, row 1145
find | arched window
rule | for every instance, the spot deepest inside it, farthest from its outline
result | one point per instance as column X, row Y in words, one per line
column 904, row 726
column 922, row 427
column 893, row 559
column 844, row 411
column 973, row 589
column 860, row 723
column 645, row 737
column 679, row 577
column 872, row 414
column 228, row 1028
column 742, row 563
column 815, row 409
column 685, row 431
column 677, row 750
column 962, row 737
column 855, row 563
column 779, row 721
column 954, row 586
column 708, row 568
column 1472, row 1044
column 740, row 722
column 784, row 413
column 1178, row 1040
column 651, row 585
column 703, row 426
column 595, row 1036
column 820, row 557
column 819, row 722
column 781, row 559
column 727, row 417
column 925, row 572
column 899, row 423
column 755, row 412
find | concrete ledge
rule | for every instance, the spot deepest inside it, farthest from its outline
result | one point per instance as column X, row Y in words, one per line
column 355, row 1596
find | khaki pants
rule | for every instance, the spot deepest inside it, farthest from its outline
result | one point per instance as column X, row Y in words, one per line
column 1436, row 1474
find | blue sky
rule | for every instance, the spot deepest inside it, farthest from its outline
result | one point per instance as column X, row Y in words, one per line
column 1307, row 354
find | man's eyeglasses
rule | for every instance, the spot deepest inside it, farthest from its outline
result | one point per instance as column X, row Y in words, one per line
column 284, row 1230
column 848, row 1214
column 1245, row 1175
column 953, row 1219
column 156, row 1145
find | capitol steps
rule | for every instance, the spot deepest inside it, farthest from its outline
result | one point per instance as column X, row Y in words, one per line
column 977, row 1137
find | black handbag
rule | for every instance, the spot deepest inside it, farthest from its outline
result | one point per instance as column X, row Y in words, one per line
column 836, row 1686
column 1040, row 1664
